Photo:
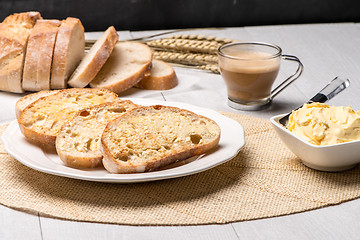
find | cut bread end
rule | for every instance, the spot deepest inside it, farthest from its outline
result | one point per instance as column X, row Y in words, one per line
column 16, row 28
column 162, row 77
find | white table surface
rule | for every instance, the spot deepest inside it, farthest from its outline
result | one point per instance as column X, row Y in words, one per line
column 326, row 50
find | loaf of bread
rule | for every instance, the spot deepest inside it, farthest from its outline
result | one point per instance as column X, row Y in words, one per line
column 78, row 141
column 68, row 52
column 146, row 138
column 41, row 120
column 25, row 101
column 127, row 65
column 162, row 77
column 14, row 34
column 39, row 55
column 93, row 61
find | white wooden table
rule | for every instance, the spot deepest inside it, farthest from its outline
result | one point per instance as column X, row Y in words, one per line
column 326, row 50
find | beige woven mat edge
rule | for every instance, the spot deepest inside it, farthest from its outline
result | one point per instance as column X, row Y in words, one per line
column 264, row 180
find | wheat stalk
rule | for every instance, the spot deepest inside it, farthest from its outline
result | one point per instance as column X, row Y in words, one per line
column 195, row 51
column 185, row 45
column 194, row 60
column 202, row 37
column 186, row 58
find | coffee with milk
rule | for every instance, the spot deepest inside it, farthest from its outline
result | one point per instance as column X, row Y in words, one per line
column 249, row 70
column 250, row 76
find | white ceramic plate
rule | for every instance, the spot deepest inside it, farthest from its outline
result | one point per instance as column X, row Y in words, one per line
column 231, row 141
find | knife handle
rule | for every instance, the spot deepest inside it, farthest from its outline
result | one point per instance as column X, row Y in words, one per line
column 337, row 85
column 328, row 92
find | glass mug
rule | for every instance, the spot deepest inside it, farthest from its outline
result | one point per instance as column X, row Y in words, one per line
column 249, row 70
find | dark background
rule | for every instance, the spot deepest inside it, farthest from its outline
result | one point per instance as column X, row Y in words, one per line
column 97, row 15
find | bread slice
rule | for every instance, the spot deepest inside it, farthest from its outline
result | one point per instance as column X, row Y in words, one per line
column 14, row 33
column 146, row 138
column 78, row 141
column 127, row 65
column 94, row 59
column 162, row 77
column 41, row 120
column 68, row 52
column 25, row 101
column 39, row 55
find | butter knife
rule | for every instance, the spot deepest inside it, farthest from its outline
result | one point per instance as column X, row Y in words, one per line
column 336, row 86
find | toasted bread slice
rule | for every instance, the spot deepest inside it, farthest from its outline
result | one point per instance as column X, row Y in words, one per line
column 14, row 34
column 41, row 120
column 25, row 101
column 78, row 142
column 127, row 65
column 162, row 77
column 68, row 52
column 39, row 55
column 94, row 59
column 147, row 138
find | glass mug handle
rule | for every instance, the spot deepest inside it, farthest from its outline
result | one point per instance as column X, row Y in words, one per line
column 290, row 79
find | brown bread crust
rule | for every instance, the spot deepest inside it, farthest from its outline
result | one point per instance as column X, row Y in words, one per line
column 14, row 33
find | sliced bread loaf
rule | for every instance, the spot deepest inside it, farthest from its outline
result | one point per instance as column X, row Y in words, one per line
column 127, row 65
column 25, row 101
column 78, row 141
column 14, row 33
column 162, row 77
column 94, row 59
column 41, row 120
column 146, row 138
column 68, row 52
column 39, row 55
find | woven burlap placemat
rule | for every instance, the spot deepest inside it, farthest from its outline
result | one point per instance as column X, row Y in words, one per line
column 264, row 180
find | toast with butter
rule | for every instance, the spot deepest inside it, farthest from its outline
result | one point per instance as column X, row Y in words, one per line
column 41, row 121
column 78, row 141
column 147, row 138
column 25, row 101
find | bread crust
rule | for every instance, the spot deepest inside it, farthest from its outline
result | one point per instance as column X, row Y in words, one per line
column 122, row 156
column 39, row 55
column 78, row 141
column 114, row 75
column 41, row 120
column 94, row 59
column 14, row 33
column 6, row 55
column 162, row 77
column 68, row 52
